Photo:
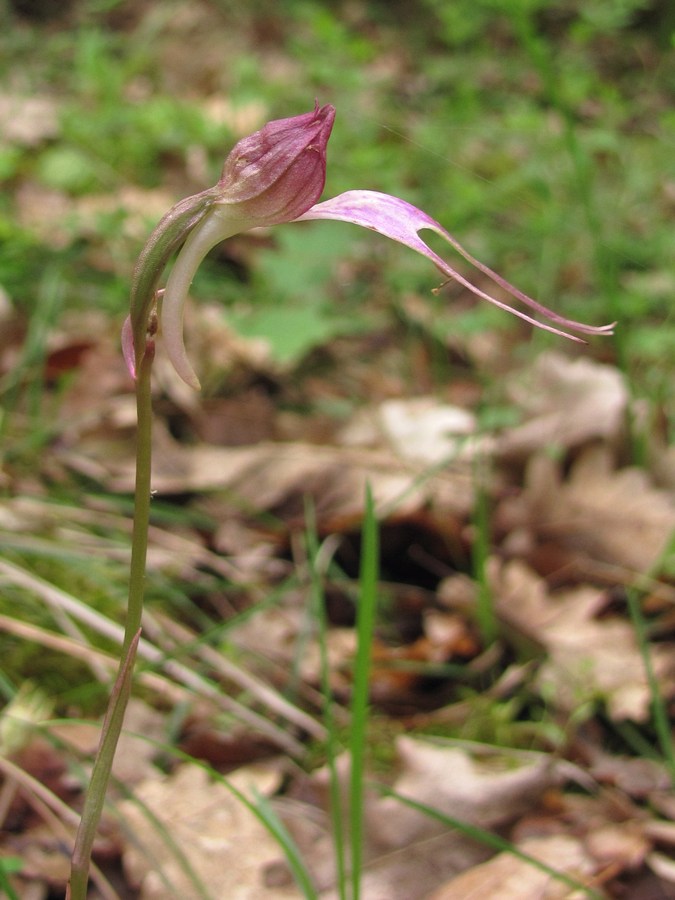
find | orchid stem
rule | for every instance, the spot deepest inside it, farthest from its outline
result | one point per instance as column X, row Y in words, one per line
column 142, row 495
column 114, row 717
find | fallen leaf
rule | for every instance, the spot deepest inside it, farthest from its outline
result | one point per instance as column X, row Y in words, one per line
column 277, row 477
column 415, row 870
column 136, row 749
column 419, row 429
column 588, row 659
column 43, row 857
column 662, row 866
column 632, row 520
column 508, row 877
column 621, row 846
column 637, row 777
column 407, row 874
column 566, row 403
column 485, row 792
column 224, row 843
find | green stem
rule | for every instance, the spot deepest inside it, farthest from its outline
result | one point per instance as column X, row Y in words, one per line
column 142, row 495
column 365, row 629
column 112, row 725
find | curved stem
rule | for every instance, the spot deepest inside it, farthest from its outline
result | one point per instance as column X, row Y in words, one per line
column 112, row 724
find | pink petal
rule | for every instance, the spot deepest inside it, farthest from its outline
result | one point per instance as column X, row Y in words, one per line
column 280, row 171
column 396, row 219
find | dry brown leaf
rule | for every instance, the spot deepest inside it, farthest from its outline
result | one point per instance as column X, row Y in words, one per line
column 241, row 117
column 485, row 792
column 623, row 518
column 274, row 630
column 419, row 429
column 338, row 653
column 663, row 464
column 660, row 832
column 408, row 873
column 597, row 520
column 136, row 748
column 42, row 856
column 45, row 212
column 618, row 845
column 277, row 477
column 567, row 402
column 506, row 877
column 636, row 777
column 415, row 870
column 141, row 207
column 587, row 659
column 59, row 218
column 219, row 352
column 224, row 843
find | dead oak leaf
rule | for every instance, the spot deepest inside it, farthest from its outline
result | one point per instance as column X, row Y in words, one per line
column 632, row 520
column 419, row 429
column 225, row 845
column 276, row 477
column 135, row 751
column 588, row 659
column 599, row 514
column 508, row 877
column 575, row 401
column 408, row 873
column 416, row 870
column 485, row 792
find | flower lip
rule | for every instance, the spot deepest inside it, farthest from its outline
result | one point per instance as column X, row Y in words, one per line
column 279, row 172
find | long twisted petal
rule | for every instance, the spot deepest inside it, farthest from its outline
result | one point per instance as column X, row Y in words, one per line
column 396, row 219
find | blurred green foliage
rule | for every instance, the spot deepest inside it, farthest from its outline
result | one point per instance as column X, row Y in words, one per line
column 540, row 133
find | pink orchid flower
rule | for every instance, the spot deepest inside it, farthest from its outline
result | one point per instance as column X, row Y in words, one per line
column 274, row 176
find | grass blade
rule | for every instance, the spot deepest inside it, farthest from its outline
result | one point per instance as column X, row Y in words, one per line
column 365, row 625
column 489, row 839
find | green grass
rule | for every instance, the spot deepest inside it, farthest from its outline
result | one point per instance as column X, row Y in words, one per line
column 8, row 866
column 660, row 717
column 495, row 841
column 365, row 631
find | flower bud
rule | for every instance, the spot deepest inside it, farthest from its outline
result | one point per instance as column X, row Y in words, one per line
column 277, row 173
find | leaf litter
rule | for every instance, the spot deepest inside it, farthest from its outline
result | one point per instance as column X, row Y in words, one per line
column 570, row 529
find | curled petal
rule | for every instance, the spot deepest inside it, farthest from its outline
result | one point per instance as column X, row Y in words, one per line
column 128, row 347
column 165, row 239
column 220, row 223
column 396, row 219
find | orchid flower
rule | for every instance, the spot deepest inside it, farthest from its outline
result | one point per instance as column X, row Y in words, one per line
column 275, row 176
